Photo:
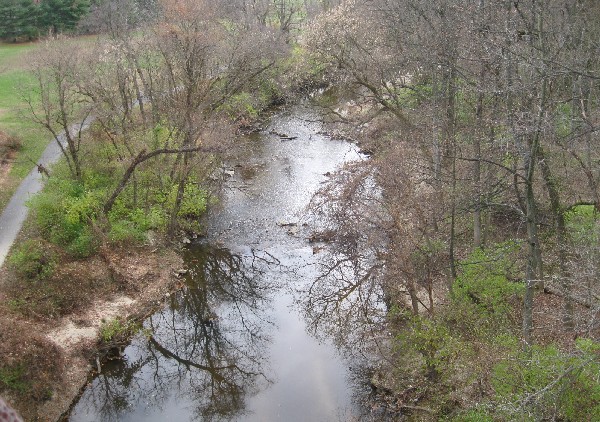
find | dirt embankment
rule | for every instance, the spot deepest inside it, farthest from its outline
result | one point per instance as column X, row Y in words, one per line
column 49, row 335
column 9, row 145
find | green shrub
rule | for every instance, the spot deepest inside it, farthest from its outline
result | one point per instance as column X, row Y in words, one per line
column 549, row 384
column 124, row 231
column 431, row 340
column 64, row 212
column 117, row 329
column 483, row 289
column 153, row 219
column 194, row 200
column 241, row 106
column 33, row 260
column 110, row 329
column 583, row 225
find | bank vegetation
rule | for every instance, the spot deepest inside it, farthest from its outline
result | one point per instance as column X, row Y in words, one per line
column 476, row 219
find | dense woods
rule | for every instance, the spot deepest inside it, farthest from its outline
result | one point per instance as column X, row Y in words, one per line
column 481, row 118
column 471, row 233
column 28, row 19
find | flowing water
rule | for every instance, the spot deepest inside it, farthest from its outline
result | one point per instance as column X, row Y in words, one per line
column 231, row 345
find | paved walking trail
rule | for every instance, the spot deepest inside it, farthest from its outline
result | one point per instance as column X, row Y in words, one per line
column 15, row 213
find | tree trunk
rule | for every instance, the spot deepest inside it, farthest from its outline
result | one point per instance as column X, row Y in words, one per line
column 139, row 159
column 530, row 279
column 477, row 242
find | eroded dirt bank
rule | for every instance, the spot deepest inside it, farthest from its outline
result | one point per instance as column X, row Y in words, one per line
column 54, row 354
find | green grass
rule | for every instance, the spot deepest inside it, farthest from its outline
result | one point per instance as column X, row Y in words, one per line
column 12, row 378
column 10, row 52
column 14, row 114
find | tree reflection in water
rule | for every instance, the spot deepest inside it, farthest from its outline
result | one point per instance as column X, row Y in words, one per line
column 205, row 351
column 345, row 300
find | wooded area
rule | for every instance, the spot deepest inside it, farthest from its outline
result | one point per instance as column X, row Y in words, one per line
column 29, row 19
column 472, row 232
column 482, row 119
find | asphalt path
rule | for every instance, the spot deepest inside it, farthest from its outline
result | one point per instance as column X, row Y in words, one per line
column 16, row 211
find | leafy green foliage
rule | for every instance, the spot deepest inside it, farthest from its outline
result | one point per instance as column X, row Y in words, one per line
column 130, row 220
column 303, row 69
column 117, row 329
column 583, row 225
column 33, row 260
column 241, row 106
column 65, row 211
column 483, row 290
column 125, row 231
column 68, row 212
column 429, row 338
column 548, row 383
column 194, row 200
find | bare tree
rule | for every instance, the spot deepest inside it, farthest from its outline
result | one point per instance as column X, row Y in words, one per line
column 55, row 101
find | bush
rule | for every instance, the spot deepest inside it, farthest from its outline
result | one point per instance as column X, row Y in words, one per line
column 241, row 106
column 9, row 143
column 548, row 384
column 582, row 224
column 124, row 231
column 483, row 290
column 33, row 260
column 117, row 330
column 64, row 212
column 84, row 244
column 194, row 201
column 431, row 340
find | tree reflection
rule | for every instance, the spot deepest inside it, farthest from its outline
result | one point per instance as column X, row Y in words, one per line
column 204, row 351
column 345, row 300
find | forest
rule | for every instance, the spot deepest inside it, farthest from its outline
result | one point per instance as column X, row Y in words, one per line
column 461, row 256
column 28, row 19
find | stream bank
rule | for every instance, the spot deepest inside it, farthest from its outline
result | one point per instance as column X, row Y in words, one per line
column 57, row 352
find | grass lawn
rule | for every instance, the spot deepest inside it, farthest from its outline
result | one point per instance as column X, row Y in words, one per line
column 14, row 114
column 15, row 117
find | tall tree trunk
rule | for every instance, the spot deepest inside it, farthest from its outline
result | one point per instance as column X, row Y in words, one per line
column 561, row 239
column 477, row 236
column 532, row 242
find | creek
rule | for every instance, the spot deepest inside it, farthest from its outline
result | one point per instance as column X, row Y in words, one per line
column 232, row 343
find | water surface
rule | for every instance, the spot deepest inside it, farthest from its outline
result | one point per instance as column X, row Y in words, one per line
column 231, row 345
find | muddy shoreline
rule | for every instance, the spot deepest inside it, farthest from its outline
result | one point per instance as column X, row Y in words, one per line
column 144, row 277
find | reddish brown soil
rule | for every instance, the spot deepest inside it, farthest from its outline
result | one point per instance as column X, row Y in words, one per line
column 55, row 350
